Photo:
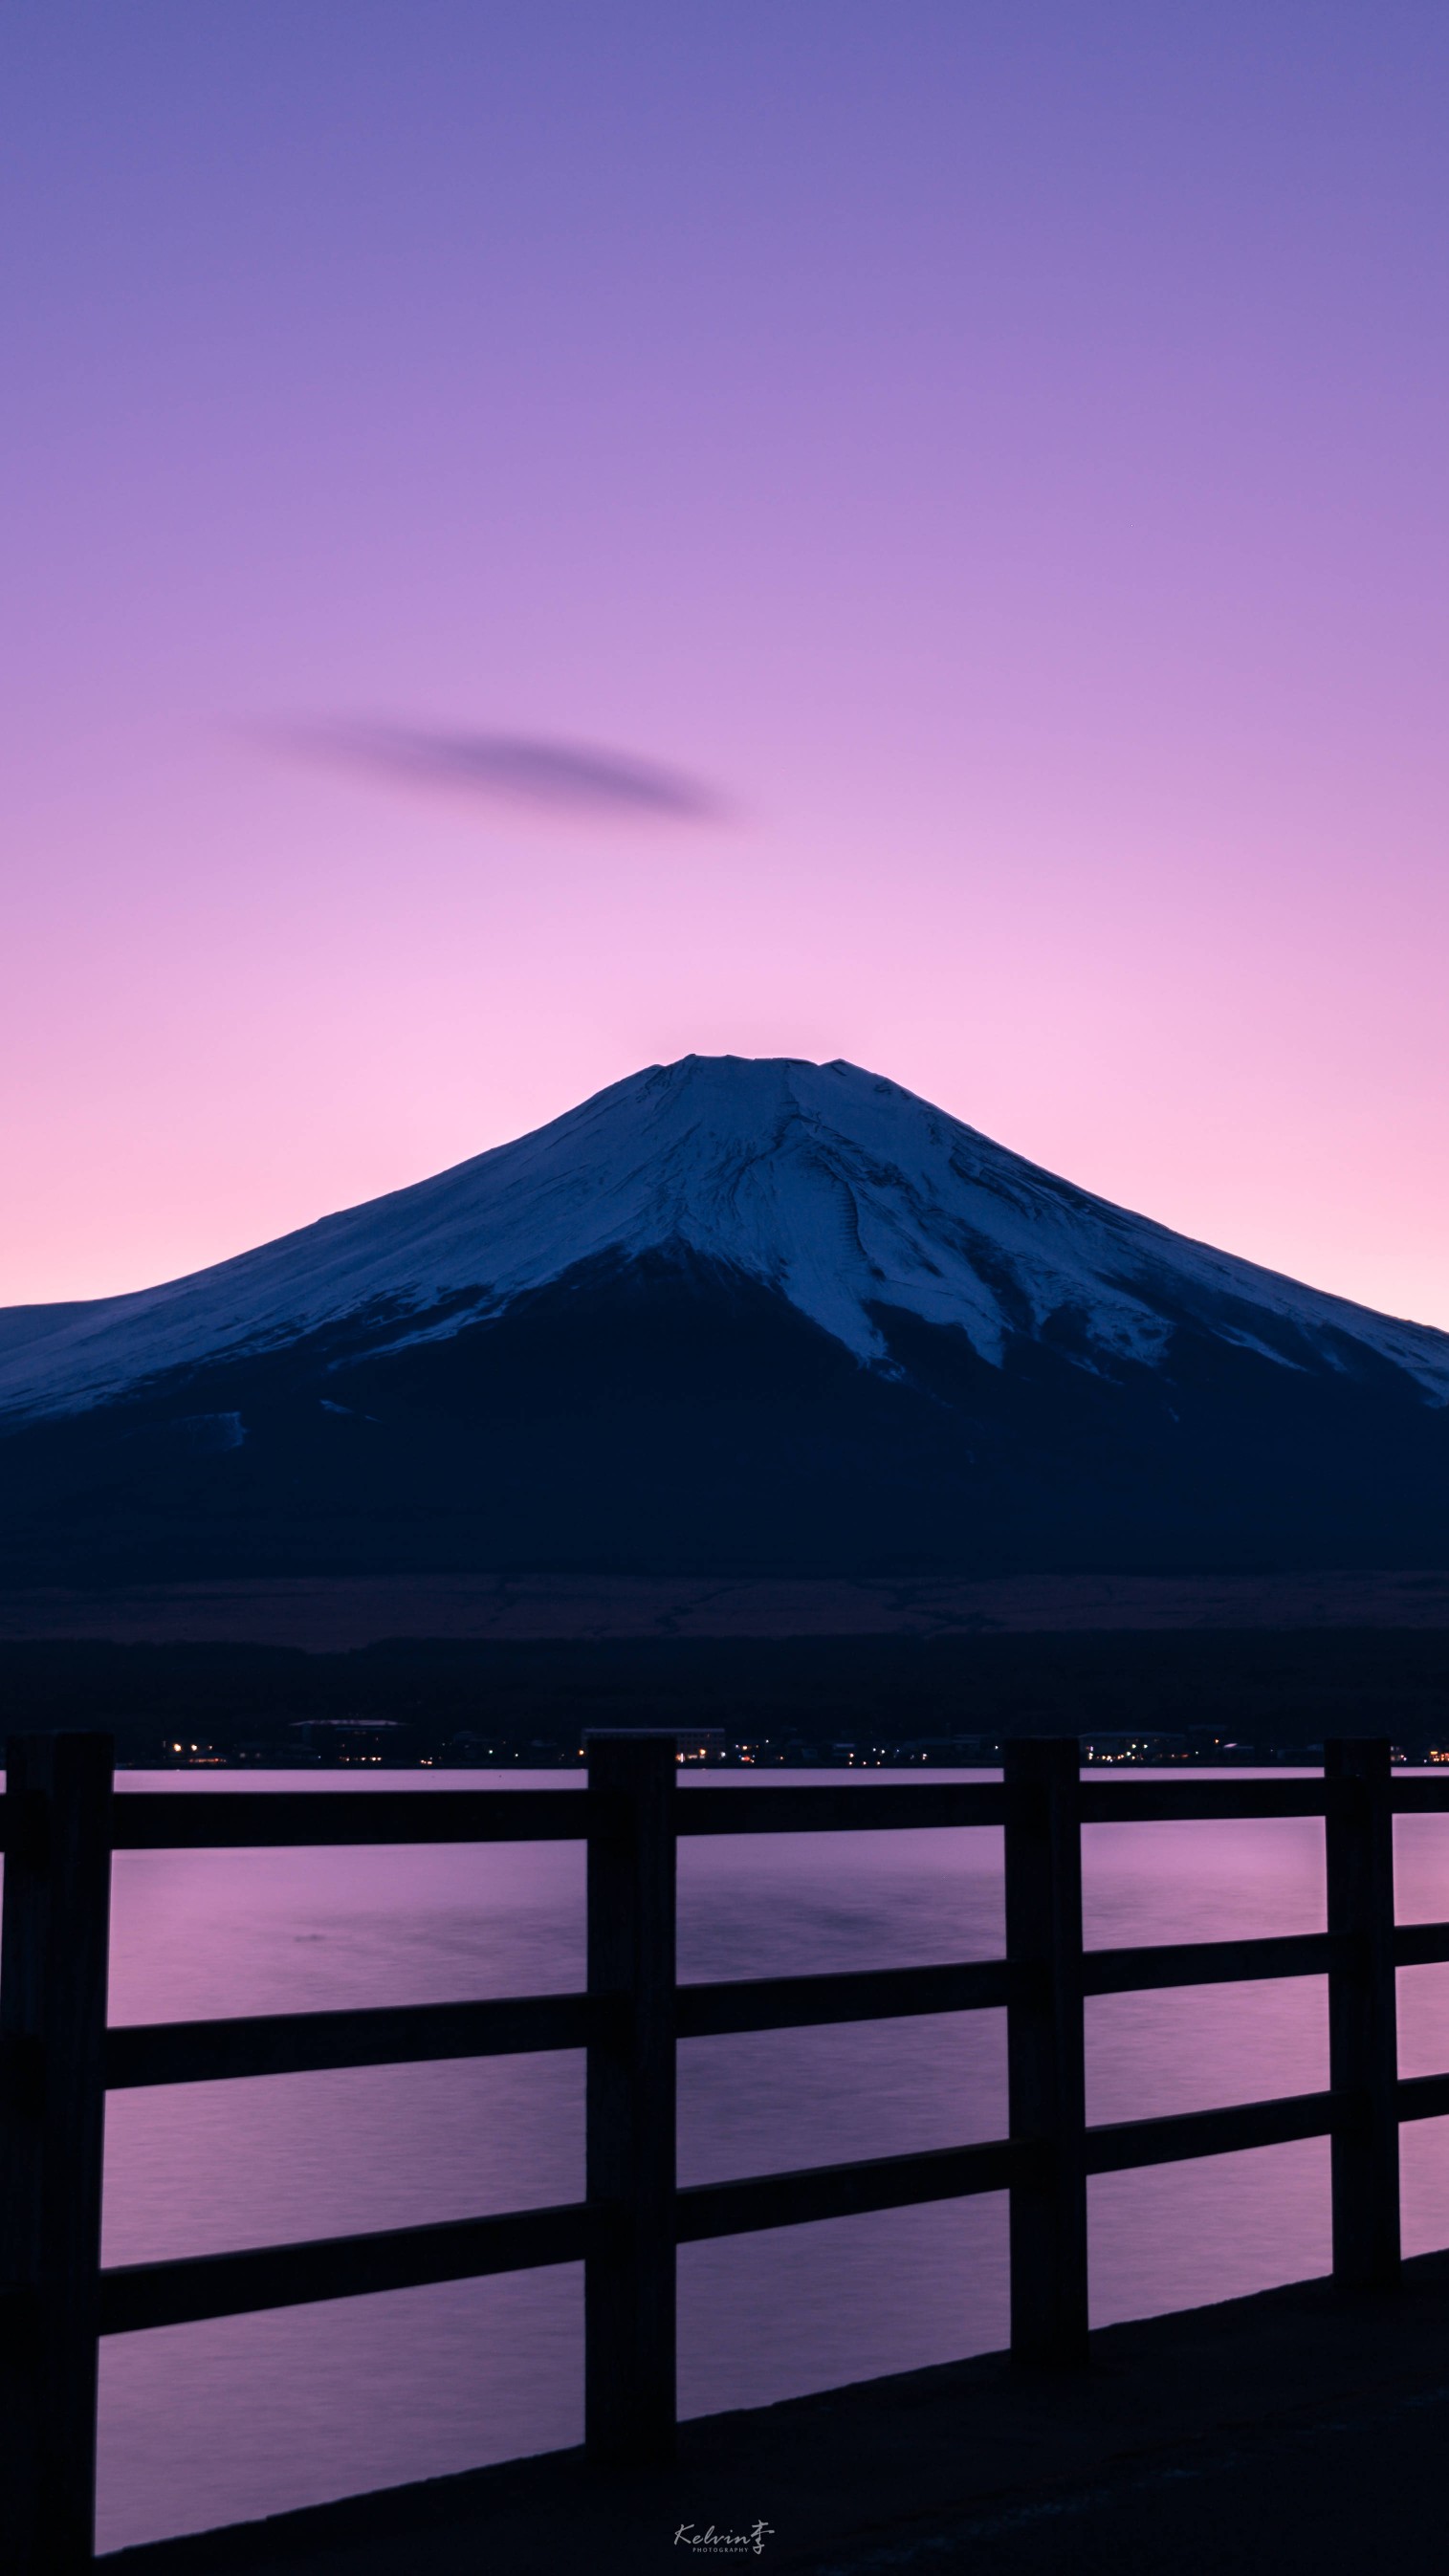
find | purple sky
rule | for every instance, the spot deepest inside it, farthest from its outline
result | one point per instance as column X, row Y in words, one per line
column 537, row 539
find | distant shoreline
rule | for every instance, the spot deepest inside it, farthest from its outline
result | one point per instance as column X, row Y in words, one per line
column 1203, row 1692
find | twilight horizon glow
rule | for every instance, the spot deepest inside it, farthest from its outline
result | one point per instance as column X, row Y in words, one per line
column 542, row 543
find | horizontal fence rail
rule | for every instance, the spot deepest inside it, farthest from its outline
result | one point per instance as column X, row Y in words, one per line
column 194, row 1820
column 262, row 1819
column 59, row 1825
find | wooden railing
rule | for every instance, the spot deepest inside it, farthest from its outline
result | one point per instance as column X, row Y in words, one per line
column 61, row 1823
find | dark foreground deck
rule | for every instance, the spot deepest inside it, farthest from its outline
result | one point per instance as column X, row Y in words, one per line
column 1299, row 2433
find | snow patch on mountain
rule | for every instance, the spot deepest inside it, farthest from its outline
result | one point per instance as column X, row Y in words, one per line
column 839, row 1189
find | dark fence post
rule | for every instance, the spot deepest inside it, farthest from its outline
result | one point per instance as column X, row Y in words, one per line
column 629, row 2276
column 1046, row 2050
column 53, row 1955
column 1363, row 2053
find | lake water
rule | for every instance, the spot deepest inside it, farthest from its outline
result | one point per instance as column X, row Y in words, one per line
column 205, row 2424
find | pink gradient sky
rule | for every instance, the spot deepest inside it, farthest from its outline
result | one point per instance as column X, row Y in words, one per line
column 997, row 449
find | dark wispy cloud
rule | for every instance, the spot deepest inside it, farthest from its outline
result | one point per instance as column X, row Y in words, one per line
column 535, row 770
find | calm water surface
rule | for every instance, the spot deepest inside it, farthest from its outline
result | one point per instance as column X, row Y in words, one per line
column 203, row 2424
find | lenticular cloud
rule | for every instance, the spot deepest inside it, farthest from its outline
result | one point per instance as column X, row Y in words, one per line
column 530, row 770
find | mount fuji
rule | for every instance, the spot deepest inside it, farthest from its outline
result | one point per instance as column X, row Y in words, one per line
column 727, row 1315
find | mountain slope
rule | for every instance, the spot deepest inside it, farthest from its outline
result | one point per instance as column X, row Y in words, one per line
column 726, row 1313
column 834, row 1188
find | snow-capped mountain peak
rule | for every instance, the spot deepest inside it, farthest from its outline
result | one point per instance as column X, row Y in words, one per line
column 846, row 1194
